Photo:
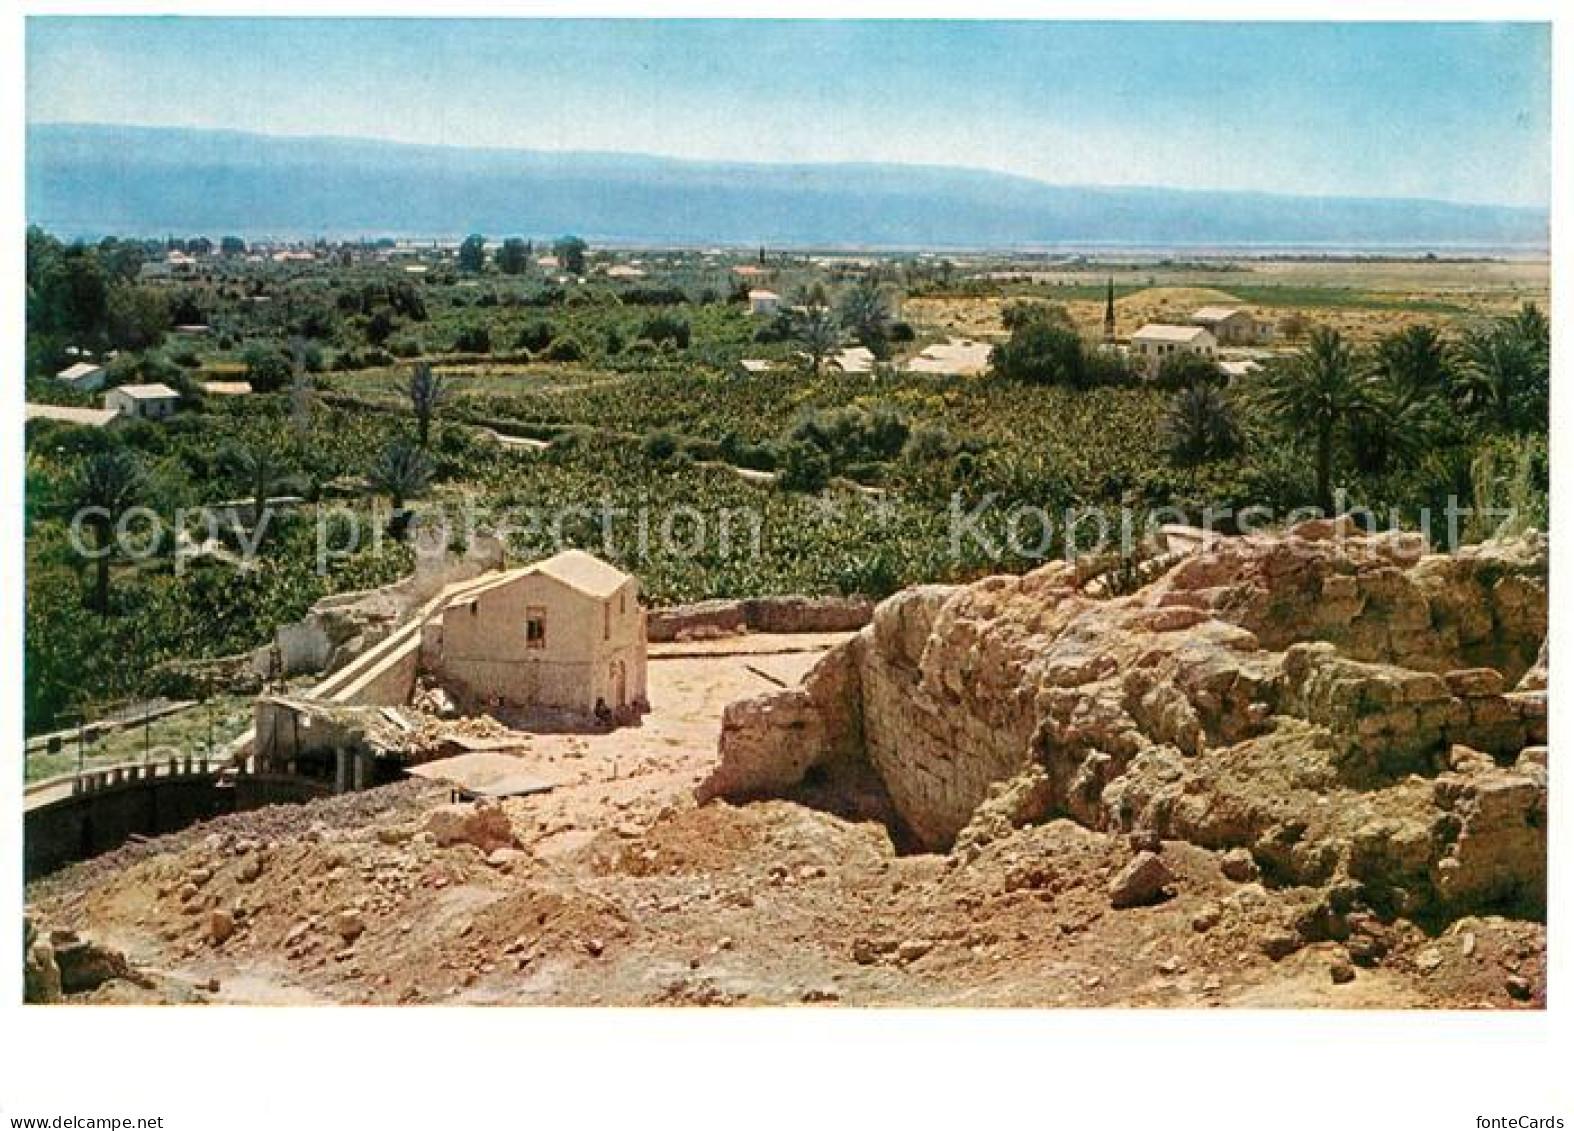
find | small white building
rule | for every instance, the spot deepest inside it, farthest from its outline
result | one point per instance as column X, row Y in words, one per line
column 1156, row 342
column 754, row 366
column 764, row 304
column 83, row 377
column 566, row 633
column 1233, row 326
column 143, row 402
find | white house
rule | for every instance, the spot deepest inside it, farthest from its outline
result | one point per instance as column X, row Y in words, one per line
column 1156, row 342
column 84, row 377
column 567, row 633
column 143, row 402
column 764, row 304
column 1233, row 326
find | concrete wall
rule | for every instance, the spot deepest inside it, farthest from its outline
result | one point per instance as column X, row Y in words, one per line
column 88, row 823
column 390, row 678
column 112, row 808
column 761, row 614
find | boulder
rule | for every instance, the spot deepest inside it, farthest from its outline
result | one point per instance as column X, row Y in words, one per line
column 1142, row 881
column 40, row 973
column 85, row 965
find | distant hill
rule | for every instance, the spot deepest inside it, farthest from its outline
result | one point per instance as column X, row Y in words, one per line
column 94, row 180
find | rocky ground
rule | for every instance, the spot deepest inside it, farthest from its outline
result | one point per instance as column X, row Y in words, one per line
column 1189, row 805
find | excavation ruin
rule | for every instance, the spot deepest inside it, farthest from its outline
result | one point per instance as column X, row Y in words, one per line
column 1300, row 769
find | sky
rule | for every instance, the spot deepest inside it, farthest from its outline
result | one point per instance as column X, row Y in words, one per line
column 1455, row 112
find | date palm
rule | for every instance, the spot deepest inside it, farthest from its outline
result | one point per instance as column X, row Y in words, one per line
column 402, row 472
column 110, row 483
column 815, row 327
column 263, row 470
column 1319, row 391
column 1411, row 372
column 1200, row 425
column 1506, row 370
column 426, row 392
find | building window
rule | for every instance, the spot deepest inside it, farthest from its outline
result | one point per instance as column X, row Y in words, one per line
column 606, row 622
column 535, row 627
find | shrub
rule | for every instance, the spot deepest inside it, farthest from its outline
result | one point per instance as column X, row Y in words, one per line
column 473, row 339
column 805, row 468
column 665, row 327
column 266, row 368
column 565, row 348
column 659, row 446
column 534, row 335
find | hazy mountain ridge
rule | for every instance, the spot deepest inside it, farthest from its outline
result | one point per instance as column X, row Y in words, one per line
column 97, row 180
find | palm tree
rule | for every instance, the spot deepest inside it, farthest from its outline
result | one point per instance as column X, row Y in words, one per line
column 1200, row 425
column 1318, row 391
column 402, row 472
column 1411, row 371
column 815, row 327
column 1506, row 371
column 426, row 391
column 865, row 309
column 109, row 485
column 263, row 471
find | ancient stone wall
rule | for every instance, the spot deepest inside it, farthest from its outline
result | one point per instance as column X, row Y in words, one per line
column 1284, row 694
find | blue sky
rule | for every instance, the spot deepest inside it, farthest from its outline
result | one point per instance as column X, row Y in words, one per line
column 1448, row 111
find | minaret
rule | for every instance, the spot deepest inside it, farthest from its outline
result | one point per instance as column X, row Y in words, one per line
column 1109, row 313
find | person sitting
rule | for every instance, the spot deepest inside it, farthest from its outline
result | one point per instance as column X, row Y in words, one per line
column 603, row 713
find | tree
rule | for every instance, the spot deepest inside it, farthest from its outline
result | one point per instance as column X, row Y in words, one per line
column 805, row 468
column 1505, row 377
column 1294, row 326
column 513, row 258
column 266, row 369
column 1042, row 349
column 137, row 317
column 815, row 328
column 472, row 253
column 1411, row 370
column 231, row 246
column 110, row 483
column 300, row 389
column 665, row 327
column 1317, row 392
column 1200, row 426
column 570, row 252
column 402, row 472
column 262, row 472
column 865, row 309
column 1187, row 370
column 427, row 391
